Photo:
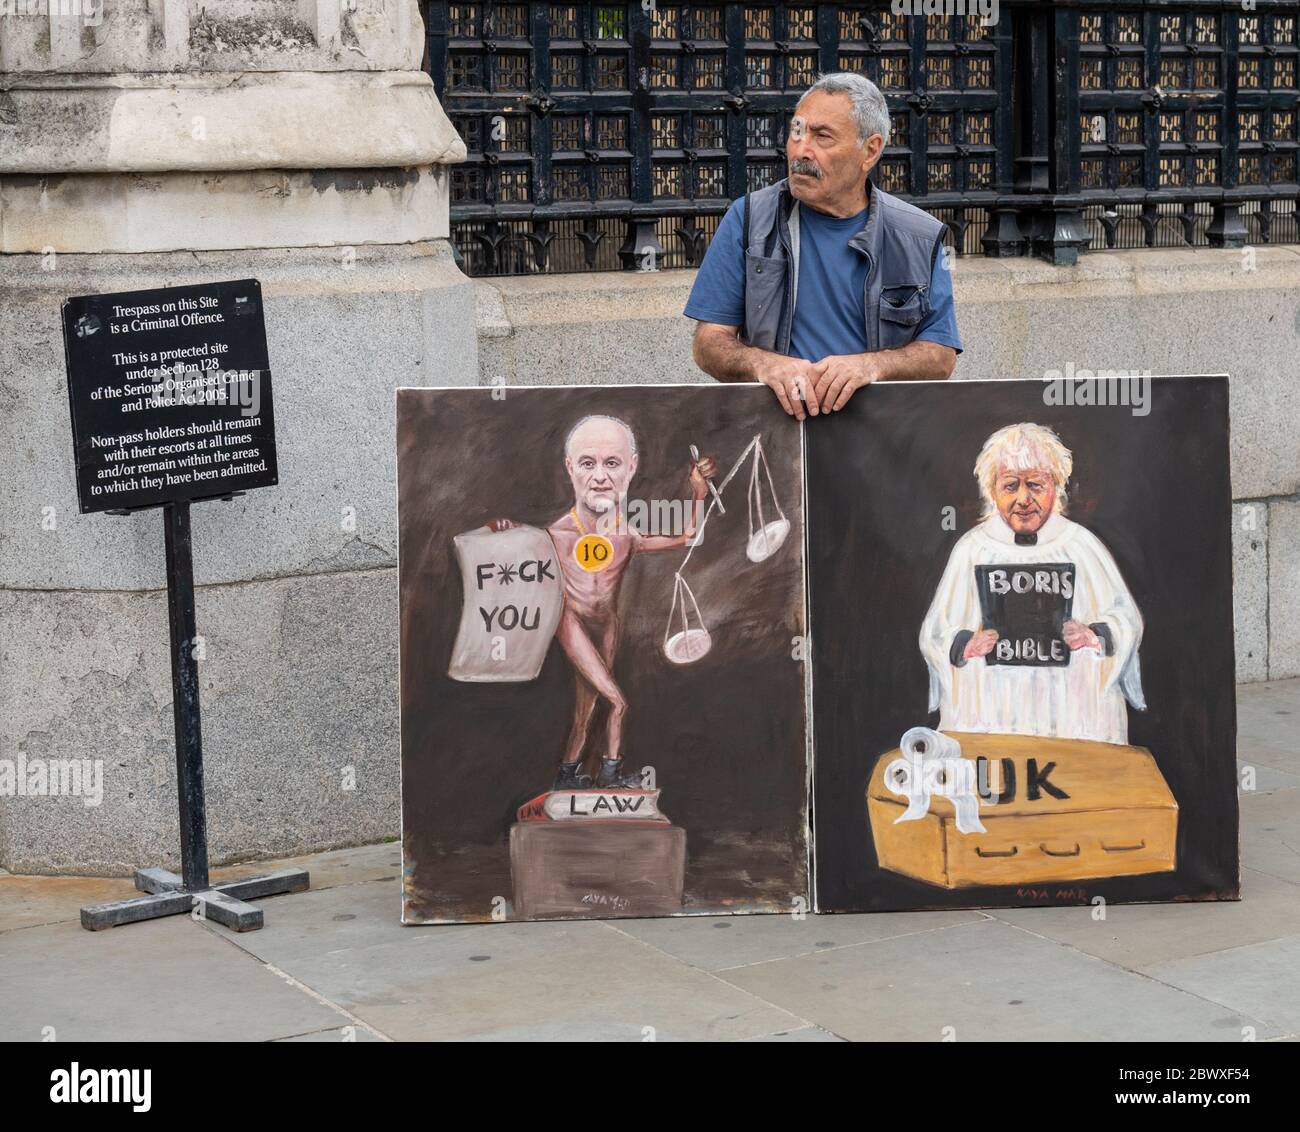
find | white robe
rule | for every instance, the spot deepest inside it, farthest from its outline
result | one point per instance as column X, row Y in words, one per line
column 1082, row 700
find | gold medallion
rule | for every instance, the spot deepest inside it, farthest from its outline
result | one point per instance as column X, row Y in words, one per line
column 593, row 553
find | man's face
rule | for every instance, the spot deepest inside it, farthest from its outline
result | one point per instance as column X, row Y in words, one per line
column 827, row 161
column 600, row 464
column 1025, row 499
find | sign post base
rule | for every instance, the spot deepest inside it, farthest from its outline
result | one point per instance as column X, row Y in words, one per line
column 168, row 896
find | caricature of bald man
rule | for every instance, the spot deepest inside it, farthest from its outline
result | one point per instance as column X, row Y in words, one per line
column 594, row 545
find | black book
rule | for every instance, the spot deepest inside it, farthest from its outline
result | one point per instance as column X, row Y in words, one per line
column 1028, row 605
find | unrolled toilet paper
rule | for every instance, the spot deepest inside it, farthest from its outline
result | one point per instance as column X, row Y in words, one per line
column 930, row 764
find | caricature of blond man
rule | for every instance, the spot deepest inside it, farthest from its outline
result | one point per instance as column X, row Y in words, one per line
column 1024, row 537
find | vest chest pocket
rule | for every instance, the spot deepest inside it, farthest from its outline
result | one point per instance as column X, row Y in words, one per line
column 764, row 292
column 902, row 310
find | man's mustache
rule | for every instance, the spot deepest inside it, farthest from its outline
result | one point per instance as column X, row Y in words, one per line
column 803, row 165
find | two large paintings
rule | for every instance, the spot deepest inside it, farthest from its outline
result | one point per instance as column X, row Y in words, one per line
column 665, row 651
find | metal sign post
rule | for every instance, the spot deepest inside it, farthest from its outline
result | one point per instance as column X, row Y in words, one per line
column 169, row 894
column 188, row 367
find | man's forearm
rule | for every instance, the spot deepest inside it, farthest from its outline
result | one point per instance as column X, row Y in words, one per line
column 917, row 361
column 726, row 358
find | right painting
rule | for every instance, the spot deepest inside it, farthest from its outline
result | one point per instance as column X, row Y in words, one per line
column 1023, row 677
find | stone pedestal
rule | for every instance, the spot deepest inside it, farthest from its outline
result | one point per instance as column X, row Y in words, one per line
column 152, row 143
column 596, row 870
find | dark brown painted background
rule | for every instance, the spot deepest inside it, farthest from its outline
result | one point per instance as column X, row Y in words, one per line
column 726, row 734
column 1154, row 489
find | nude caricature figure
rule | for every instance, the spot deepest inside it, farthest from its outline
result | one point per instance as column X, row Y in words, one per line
column 594, row 545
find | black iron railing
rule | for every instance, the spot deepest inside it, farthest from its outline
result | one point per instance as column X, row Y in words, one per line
column 606, row 136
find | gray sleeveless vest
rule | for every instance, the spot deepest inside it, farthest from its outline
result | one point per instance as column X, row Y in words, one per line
column 900, row 243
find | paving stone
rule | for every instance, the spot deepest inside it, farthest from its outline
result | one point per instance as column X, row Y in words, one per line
column 716, row 943
column 1266, row 778
column 1141, row 937
column 805, row 1034
column 341, row 1034
column 332, row 868
column 332, row 920
column 1270, row 833
column 984, row 982
column 553, row 981
column 1259, row 980
column 26, row 901
column 168, row 980
column 1268, row 725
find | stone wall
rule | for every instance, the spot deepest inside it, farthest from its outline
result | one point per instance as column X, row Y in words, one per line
column 170, row 142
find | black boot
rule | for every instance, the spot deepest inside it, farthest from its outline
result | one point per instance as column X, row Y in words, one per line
column 568, row 778
column 609, row 776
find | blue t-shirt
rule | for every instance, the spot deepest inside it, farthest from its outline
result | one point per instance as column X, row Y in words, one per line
column 832, row 275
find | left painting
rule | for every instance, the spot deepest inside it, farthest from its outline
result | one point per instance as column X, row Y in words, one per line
column 602, row 674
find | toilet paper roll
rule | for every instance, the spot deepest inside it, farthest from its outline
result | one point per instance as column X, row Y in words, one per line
column 931, row 764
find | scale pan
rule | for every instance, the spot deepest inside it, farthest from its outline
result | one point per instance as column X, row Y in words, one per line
column 766, row 541
column 688, row 645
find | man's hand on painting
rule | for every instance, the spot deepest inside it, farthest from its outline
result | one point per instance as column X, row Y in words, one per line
column 702, row 471
column 839, row 376
column 981, row 644
column 501, row 524
column 1078, row 636
column 792, row 380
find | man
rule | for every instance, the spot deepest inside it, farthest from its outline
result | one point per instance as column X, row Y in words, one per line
column 822, row 283
column 594, row 545
column 1064, row 661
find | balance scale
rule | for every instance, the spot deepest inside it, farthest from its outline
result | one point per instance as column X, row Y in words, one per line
column 692, row 641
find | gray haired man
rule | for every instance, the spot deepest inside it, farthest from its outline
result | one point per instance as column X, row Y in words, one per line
column 823, row 283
